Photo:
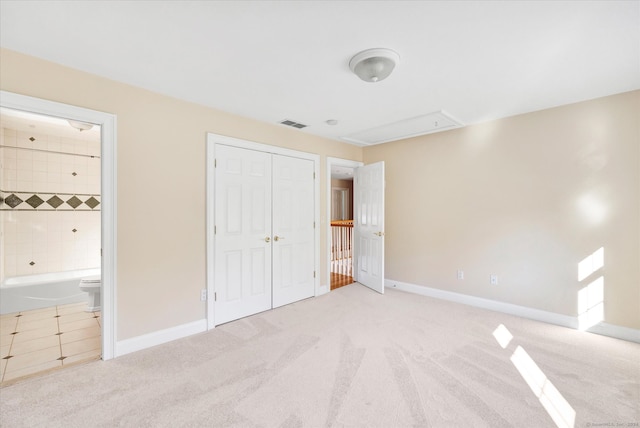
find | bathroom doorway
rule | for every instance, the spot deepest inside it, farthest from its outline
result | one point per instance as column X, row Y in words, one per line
column 52, row 235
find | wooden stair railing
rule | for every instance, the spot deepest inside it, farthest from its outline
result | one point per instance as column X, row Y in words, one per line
column 341, row 247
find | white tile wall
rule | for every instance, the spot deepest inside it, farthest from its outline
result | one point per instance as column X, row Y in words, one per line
column 46, row 237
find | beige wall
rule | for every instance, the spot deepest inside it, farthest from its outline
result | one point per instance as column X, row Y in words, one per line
column 161, row 184
column 526, row 198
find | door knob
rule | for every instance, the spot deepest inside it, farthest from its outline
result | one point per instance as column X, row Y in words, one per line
column 277, row 238
column 378, row 233
column 267, row 239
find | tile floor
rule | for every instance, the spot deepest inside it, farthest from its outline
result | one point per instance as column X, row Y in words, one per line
column 44, row 339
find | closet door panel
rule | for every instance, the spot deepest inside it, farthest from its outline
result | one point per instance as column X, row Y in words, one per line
column 293, row 229
column 243, row 233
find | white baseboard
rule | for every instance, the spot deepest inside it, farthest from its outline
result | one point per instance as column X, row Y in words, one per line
column 323, row 289
column 145, row 341
column 604, row 329
column 619, row 332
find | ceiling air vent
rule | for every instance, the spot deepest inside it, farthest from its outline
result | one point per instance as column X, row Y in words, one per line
column 293, row 124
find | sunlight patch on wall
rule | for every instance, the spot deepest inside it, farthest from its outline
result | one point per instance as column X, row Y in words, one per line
column 591, row 297
column 591, row 264
column 591, row 304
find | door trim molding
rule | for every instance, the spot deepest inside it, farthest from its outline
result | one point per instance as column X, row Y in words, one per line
column 212, row 141
column 108, row 139
column 331, row 161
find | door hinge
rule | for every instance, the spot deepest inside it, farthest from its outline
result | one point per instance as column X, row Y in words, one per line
column 314, row 175
column 314, row 224
column 314, row 273
column 215, row 163
column 215, row 229
column 215, row 296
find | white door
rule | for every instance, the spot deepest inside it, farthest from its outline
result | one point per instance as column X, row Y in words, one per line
column 369, row 225
column 293, row 230
column 242, row 233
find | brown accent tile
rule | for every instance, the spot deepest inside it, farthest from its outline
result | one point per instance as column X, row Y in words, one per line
column 35, row 358
column 6, row 340
column 8, row 325
column 38, row 340
column 94, row 354
column 36, row 316
column 4, row 351
column 31, row 370
column 33, row 334
column 7, row 316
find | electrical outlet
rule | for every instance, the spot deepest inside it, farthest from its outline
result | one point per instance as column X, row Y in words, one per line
column 203, row 295
column 460, row 274
column 494, row 279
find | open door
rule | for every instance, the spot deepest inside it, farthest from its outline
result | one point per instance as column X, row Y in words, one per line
column 369, row 225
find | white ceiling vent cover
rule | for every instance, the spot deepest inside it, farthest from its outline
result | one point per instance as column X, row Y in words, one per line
column 420, row 125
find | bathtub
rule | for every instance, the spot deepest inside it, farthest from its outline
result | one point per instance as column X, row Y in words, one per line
column 23, row 293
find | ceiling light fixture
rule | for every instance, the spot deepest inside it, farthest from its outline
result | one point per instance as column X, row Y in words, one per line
column 80, row 126
column 374, row 65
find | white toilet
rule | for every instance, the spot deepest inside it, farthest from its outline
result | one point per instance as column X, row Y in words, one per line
column 91, row 285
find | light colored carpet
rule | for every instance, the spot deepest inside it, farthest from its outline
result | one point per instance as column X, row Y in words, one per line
column 351, row 358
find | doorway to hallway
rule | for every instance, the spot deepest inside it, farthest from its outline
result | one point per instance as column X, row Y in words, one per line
column 355, row 236
column 341, row 213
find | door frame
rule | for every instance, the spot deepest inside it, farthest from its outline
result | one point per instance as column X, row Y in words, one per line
column 108, row 210
column 331, row 161
column 212, row 140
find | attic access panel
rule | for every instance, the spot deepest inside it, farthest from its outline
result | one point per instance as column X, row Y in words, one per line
column 426, row 124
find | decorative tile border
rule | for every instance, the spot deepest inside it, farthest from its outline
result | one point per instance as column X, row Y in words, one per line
column 33, row 201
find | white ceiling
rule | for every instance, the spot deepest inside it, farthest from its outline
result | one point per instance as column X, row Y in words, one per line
column 271, row 61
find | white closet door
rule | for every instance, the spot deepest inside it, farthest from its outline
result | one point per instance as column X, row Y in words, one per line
column 293, row 230
column 243, row 233
column 369, row 225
